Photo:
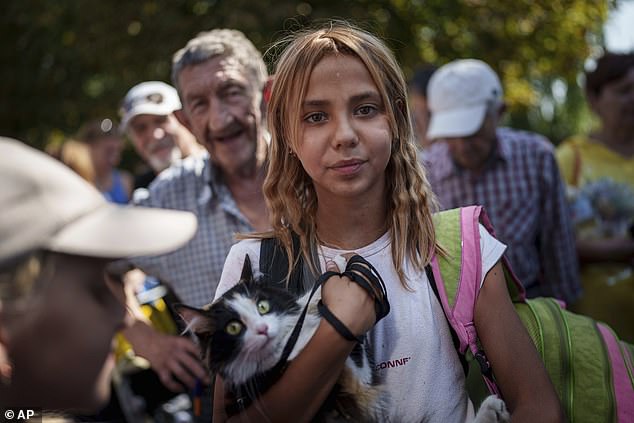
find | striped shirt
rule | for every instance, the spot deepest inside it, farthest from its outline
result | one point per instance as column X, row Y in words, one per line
column 194, row 270
column 523, row 195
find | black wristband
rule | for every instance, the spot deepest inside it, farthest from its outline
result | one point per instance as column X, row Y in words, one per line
column 365, row 275
column 337, row 324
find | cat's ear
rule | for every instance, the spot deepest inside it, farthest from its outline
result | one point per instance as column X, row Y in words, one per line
column 195, row 319
column 247, row 272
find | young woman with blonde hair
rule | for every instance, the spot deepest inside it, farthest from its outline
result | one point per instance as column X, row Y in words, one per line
column 344, row 177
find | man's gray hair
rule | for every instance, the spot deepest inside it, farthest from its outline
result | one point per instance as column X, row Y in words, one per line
column 220, row 42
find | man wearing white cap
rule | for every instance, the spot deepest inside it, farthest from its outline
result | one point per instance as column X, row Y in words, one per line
column 148, row 117
column 512, row 173
column 58, row 312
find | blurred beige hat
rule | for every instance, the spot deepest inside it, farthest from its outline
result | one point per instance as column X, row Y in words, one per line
column 45, row 205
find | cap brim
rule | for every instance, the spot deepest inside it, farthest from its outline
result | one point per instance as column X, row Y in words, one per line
column 124, row 231
column 146, row 109
column 456, row 123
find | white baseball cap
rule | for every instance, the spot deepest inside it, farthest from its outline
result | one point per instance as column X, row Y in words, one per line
column 45, row 205
column 458, row 96
column 151, row 98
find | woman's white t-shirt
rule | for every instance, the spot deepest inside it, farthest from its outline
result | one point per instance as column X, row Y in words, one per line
column 414, row 354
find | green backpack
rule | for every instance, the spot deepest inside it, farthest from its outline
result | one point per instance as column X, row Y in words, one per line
column 591, row 369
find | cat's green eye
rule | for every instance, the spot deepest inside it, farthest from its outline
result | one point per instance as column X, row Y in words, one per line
column 264, row 307
column 233, row 328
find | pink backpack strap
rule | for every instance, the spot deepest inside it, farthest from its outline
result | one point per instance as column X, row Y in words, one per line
column 621, row 375
column 460, row 309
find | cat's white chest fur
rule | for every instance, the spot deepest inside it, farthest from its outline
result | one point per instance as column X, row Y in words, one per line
column 492, row 410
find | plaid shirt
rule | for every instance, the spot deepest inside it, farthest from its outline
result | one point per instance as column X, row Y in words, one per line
column 523, row 195
column 193, row 271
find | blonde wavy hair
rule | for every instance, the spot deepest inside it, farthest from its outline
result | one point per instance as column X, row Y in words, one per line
column 289, row 191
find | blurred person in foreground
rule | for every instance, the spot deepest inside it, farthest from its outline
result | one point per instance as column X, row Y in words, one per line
column 106, row 144
column 148, row 118
column 58, row 309
column 512, row 173
column 599, row 171
column 417, row 87
column 220, row 77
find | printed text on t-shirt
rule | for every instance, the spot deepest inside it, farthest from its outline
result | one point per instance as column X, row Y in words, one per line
column 392, row 363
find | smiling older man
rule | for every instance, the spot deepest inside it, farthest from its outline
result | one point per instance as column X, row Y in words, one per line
column 220, row 77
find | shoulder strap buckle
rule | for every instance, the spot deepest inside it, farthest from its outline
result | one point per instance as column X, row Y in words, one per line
column 485, row 366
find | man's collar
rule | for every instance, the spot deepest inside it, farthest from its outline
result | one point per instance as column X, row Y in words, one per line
column 210, row 175
column 432, row 159
column 503, row 149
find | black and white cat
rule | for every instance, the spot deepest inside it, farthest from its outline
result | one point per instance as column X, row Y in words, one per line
column 242, row 335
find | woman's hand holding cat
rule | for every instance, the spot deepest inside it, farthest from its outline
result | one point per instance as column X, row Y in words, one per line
column 348, row 301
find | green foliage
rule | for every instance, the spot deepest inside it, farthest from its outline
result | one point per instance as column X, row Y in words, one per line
column 70, row 60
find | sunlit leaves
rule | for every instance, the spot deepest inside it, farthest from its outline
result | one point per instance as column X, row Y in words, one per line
column 70, row 60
